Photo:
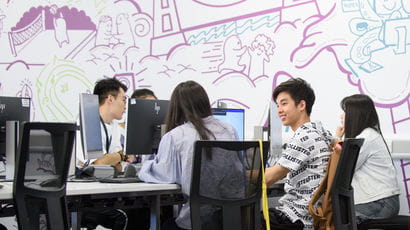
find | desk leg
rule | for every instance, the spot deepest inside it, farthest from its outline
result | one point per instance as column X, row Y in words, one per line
column 155, row 213
column 75, row 220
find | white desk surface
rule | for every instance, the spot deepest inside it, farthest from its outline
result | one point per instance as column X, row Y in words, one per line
column 84, row 188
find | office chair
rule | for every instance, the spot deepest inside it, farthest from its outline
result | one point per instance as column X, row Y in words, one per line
column 398, row 222
column 342, row 192
column 342, row 195
column 226, row 185
column 42, row 163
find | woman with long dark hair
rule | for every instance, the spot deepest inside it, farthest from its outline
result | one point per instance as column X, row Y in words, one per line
column 189, row 119
column 376, row 191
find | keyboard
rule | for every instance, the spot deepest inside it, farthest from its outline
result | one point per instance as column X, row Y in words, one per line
column 120, row 180
column 85, row 179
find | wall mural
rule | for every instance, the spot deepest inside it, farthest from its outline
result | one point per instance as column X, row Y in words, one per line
column 239, row 50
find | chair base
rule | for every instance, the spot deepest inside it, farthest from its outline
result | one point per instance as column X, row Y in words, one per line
column 393, row 223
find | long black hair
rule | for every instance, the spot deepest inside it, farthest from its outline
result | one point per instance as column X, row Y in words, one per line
column 189, row 103
column 360, row 113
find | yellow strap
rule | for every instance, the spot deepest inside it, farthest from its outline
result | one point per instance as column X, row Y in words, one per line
column 265, row 207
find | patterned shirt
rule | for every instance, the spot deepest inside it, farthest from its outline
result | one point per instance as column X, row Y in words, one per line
column 306, row 156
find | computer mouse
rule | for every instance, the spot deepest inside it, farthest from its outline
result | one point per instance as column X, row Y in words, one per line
column 130, row 171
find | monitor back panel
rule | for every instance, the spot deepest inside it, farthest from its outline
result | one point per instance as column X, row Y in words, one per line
column 12, row 109
column 144, row 120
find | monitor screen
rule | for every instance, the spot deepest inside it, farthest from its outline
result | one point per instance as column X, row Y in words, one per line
column 90, row 126
column 234, row 117
column 12, row 109
column 143, row 126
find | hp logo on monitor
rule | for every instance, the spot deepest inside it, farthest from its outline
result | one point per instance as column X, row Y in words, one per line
column 2, row 107
column 157, row 108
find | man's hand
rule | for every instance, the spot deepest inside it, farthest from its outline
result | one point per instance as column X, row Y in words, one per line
column 131, row 158
column 275, row 173
column 110, row 159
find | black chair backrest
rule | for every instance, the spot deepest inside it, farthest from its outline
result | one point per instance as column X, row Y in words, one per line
column 42, row 163
column 342, row 192
column 226, row 184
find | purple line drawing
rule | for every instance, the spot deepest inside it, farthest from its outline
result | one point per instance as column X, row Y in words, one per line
column 26, row 65
column 168, row 38
column 166, row 71
column 122, row 40
column 167, row 29
column 185, row 68
column 233, row 51
column 35, row 23
column 104, row 31
column 406, row 180
column 219, row 3
column 130, row 80
column 21, row 37
column 396, row 97
column 381, row 28
column 231, row 101
column 60, row 26
column 2, row 17
column 124, row 34
column 134, row 4
column 262, row 47
column 26, row 90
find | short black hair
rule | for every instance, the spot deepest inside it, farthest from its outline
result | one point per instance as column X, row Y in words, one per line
column 108, row 86
column 143, row 93
column 299, row 90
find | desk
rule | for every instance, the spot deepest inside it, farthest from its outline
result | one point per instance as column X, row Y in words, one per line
column 78, row 192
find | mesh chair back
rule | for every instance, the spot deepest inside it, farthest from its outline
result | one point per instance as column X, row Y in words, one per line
column 342, row 192
column 226, row 184
column 42, row 163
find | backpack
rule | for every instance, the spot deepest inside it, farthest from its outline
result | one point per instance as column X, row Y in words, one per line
column 323, row 213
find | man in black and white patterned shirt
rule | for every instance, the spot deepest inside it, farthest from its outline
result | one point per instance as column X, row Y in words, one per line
column 304, row 157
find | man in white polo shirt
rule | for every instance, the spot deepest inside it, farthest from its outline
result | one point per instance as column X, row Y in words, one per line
column 112, row 102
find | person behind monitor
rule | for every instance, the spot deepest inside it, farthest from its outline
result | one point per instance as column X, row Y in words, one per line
column 148, row 95
column 304, row 157
column 112, row 99
column 376, row 190
column 144, row 94
column 189, row 119
column 140, row 217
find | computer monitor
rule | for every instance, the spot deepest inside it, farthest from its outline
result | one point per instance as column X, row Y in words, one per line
column 12, row 109
column 90, row 127
column 234, row 117
column 275, row 135
column 143, row 126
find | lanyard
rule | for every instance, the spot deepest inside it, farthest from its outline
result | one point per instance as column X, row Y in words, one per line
column 107, row 140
